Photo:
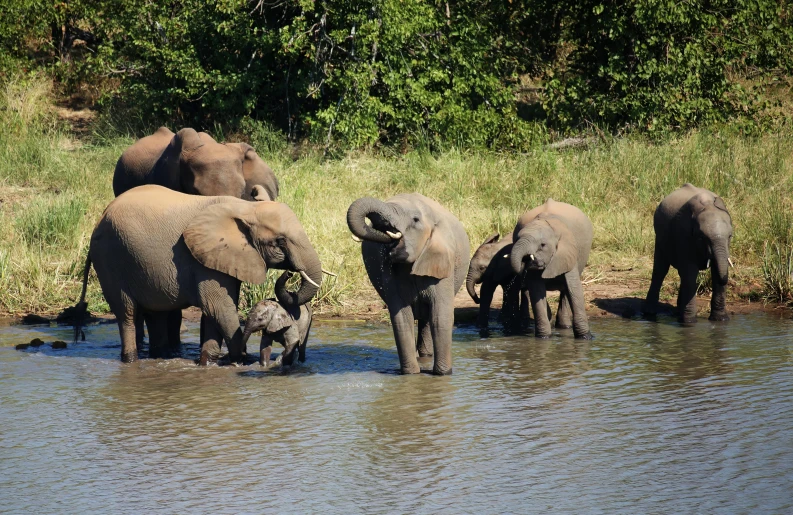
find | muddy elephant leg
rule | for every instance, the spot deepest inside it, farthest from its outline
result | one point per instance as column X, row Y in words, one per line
column 539, row 303
column 402, row 323
column 575, row 296
column 128, row 313
column 139, row 329
column 441, row 326
column 301, row 355
column 219, row 306
column 564, row 319
column 174, row 344
column 265, row 349
column 485, row 300
column 424, row 344
column 660, row 269
column 211, row 340
column 718, row 303
column 157, row 322
column 687, row 296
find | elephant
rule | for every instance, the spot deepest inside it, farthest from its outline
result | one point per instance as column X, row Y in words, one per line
column 157, row 250
column 288, row 326
column 693, row 230
column 416, row 255
column 490, row 266
column 256, row 173
column 551, row 248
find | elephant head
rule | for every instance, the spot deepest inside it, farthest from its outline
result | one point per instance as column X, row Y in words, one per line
column 242, row 239
column 489, row 258
column 256, row 172
column 271, row 318
column 546, row 245
column 711, row 229
column 410, row 227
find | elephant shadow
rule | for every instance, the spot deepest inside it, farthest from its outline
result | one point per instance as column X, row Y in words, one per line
column 631, row 307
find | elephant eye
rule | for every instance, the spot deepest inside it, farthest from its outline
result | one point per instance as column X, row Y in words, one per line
column 542, row 245
column 415, row 219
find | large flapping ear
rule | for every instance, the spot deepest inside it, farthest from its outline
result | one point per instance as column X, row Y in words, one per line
column 220, row 238
column 566, row 256
column 492, row 238
column 279, row 320
column 437, row 258
column 719, row 203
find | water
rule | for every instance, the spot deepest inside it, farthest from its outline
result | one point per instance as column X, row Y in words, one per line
column 648, row 418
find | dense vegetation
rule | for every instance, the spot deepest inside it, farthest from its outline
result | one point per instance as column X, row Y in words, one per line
column 407, row 73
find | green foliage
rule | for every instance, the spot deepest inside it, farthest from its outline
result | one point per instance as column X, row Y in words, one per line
column 51, row 221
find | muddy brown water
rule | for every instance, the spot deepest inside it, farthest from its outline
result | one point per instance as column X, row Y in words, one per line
column 646, row 418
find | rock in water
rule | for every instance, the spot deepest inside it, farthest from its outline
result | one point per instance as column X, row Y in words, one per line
column 36, row 342
column 59, row 344
column 22, row 346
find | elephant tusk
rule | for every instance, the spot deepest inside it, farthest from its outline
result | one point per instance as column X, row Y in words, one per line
column 707, row 265
column 531, row 256
column 329, row 273
column 356, row 239
column 307, row 278
column 505, row 256
column 394, row 235
column 730, row 262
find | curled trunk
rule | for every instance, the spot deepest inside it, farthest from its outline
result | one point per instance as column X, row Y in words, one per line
column 470, row 285
column 519, row 251
column 304, row 259
column 364, row 208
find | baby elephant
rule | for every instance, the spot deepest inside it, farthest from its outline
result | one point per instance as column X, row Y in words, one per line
column 288, row 326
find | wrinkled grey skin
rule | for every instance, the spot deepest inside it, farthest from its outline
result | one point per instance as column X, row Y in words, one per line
column 288, row 326
column 416, row 274
column 256, row 172
column 692, row 227
column 490, row 266
column 156, row 250
column 551, row 247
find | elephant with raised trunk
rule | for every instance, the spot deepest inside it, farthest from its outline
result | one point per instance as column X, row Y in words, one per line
column 416, row 255
column 491, row 267
column 287, row 325
column 158, row 250
column 693, row 230
column 551, row 248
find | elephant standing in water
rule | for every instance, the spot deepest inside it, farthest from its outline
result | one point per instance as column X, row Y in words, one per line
column 551, row 247
column 416, row 255
column 490, row 266
column 159, row 250
column 693, row 230
column 287, row 325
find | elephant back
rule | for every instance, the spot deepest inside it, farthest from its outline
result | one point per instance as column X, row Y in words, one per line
column 135, row 166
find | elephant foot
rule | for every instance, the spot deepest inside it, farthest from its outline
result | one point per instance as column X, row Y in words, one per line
column 719, row 317
column 586, row 336
column 410, row 370
column 441, row 371
column 564, row 326
column 688, row 321
column 264, row 356
column 543, row 336
column 129, row 357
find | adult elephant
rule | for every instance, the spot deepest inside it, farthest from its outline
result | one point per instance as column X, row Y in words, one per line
column 158, row 250
column 491, row 267
column 551, row 248
column 416, row 255
column 693, row 230
column 256, row 173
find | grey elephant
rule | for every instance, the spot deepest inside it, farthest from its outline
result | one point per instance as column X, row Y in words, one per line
column 416, row 255
column 551, row 248
column 160, row 250
column 287, row 325
column 693, row 230
column 491, row 267
column 256, row 174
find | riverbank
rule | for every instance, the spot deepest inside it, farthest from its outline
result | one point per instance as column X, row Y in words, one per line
column 55, row 182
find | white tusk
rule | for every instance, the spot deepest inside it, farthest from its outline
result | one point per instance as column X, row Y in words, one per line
column 356, row 239
column 505, row 255
column 730, row 262
column 329, row 273
column 707, row 265
column 307, row 278
column 394, row 235
column 531, row 256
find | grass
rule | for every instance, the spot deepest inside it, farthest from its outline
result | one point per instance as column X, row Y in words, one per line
column 53, row 188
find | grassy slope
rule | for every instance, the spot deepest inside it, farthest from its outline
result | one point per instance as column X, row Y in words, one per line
column 53, row 189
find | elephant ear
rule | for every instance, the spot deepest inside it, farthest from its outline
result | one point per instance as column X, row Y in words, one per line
column 492, row 238
column 220, row 238
column 188, row 140
column 565, row 258
column 280, row 320
column 437, row 258
column 719, row 203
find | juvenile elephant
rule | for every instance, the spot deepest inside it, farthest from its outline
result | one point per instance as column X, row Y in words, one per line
column 693, row 230
column 416, row 255
column 551, row 247
column 490, row 266
column 288, row 326
column 159, row 250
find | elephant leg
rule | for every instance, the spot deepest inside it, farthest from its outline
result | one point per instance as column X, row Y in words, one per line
column 525, row 315
column 157, row 322
column 718, row 301
column 575, row 296
column 139, row 329
column 660, row 269
column 219, row 304
column 687, row 296
column 301, row 356
column 174, row 332
column 441, row 326
column 265, row 349
column 539, row 303
column 510, row 307
column 424, row 345
column 127, row 314
column 211, row 340
column 485, row 300
column 402, row 323
column 564, row 318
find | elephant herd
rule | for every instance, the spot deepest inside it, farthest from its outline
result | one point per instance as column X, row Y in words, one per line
column 193, row 218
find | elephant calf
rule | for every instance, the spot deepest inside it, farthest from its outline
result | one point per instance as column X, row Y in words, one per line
column 490, row 266
column 287, row 325
column 693, row 230
column 551, row 247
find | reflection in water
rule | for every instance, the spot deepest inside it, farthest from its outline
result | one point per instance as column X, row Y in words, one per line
column 648, row 417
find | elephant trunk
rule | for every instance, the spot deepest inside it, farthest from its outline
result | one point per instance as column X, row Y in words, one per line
column 520, row 250
column 721, row 255
column 363, row 208
column 305, row 261
column 470, row 285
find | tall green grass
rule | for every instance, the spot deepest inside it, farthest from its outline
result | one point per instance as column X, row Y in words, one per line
column 53, row 189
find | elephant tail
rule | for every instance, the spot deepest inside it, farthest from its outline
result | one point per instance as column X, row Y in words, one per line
column 81, row 308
